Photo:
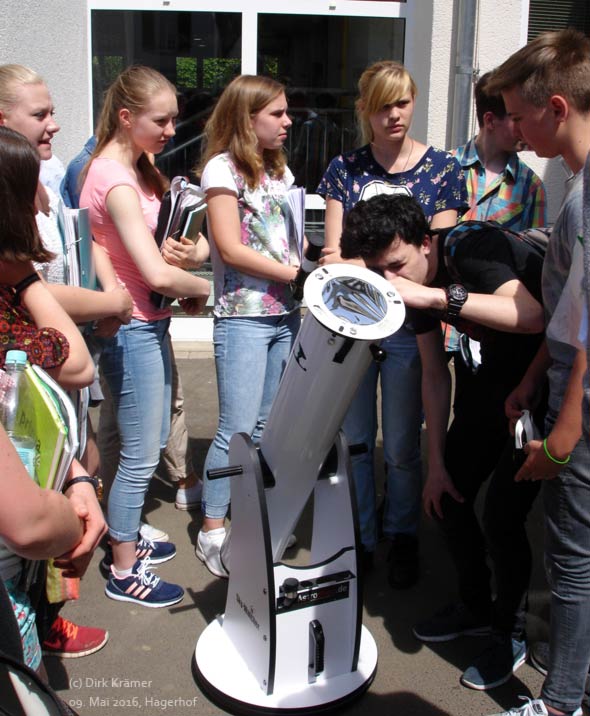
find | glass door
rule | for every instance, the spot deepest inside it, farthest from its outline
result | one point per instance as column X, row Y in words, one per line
column 317, row 48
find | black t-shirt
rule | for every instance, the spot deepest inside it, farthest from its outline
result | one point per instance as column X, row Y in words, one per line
column 485, row 260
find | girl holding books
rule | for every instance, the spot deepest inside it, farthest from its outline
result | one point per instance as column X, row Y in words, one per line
column 35, row 523
column 246, row 180
column 123, row 190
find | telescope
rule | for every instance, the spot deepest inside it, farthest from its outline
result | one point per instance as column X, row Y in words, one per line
column 291, row 638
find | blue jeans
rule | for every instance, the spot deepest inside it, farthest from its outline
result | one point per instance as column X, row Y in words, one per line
column 250, row 356
column 567, row 559
column 401, row 420
column 136, row 366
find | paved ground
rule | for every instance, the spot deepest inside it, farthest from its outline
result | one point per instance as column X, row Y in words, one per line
column 146, row 666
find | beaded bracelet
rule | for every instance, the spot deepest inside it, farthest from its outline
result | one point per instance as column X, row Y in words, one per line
column 554, row 459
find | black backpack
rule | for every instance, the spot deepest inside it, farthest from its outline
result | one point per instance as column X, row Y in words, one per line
column 536, row 238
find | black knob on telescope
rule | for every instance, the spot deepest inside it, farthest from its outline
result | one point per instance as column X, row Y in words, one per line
column 290, row 589
column 313, row 252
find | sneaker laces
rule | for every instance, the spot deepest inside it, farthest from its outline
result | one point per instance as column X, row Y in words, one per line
column 64, row 627
column 528, row 702
column 147, row 542
column 147, row 578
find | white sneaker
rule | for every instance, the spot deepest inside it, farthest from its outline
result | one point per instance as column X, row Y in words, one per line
column 153, row 534
column 190, row 497
column 208, row 550
column 533, row 707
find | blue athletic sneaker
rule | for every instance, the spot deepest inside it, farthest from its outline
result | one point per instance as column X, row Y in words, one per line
column 143, row 587
column 496, row 664
column 157, row 552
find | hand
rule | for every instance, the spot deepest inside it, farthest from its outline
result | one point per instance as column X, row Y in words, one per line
column 330, row 256
column 123, row 304
column 437, row 484
column 521, row 398
column 181, row 253
column 107, row 327
column 537, row 466
column 83, row 499
column 193, row 306
column 416, row 295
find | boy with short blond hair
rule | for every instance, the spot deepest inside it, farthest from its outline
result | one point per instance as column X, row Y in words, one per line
column 546, row 89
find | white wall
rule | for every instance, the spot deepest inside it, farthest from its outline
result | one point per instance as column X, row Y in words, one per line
column 501, row 30
column 51, row 37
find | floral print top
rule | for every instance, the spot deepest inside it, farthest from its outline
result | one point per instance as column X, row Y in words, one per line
column 436, row 181
column 263, row 212
column 45, row 347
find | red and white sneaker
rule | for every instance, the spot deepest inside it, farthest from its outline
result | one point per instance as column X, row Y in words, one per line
column 70, row 640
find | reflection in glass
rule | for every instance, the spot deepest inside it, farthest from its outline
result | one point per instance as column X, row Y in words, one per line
column 320, row 58
column 199, row 52
column 354, row 301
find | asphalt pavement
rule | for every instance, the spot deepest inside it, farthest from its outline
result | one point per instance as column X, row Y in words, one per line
column 146, row 667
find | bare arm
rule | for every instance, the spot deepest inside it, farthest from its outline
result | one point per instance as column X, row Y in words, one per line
column 34, row 523
column 125, row 210
column 526, row 393
column 436, row 399
column 104, row 268
column 334, row 218
column 84, row 305
column 77, row 371
column 510, row 308
column 85, row 503
column 224, row 223
column 565, row 434
column 444, row 219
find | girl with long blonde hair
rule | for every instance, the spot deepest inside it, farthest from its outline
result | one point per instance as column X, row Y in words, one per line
column 390, row 161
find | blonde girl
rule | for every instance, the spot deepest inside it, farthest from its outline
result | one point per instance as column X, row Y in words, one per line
column 390, row 161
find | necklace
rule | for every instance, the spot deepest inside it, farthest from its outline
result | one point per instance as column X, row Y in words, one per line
column 407, row 158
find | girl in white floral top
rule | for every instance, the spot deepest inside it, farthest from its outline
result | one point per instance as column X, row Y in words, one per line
column 246, row 181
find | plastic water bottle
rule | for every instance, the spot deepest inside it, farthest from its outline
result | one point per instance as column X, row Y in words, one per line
column 14, row 367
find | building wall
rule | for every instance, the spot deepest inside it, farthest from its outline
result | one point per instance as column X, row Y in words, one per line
column 502, row 28
column 51, row 37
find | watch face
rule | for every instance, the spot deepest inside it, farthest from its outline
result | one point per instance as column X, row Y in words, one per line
column 457, row 292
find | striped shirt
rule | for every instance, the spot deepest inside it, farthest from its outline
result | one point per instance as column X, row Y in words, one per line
column 515, row 199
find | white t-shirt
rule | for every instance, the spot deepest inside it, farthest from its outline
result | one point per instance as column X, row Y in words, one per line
column 53, row 271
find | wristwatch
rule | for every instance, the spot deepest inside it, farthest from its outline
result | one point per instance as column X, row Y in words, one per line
column 456, row 296
column 96, row 482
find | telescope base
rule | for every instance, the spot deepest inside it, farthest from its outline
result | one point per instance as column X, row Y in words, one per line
column 223, row 676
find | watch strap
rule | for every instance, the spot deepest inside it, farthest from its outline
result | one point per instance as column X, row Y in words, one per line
column 94, row 481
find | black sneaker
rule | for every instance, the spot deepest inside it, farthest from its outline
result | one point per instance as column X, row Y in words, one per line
column 451, row 622
column 158, row 552
column 404, row 562
column 496, row 664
